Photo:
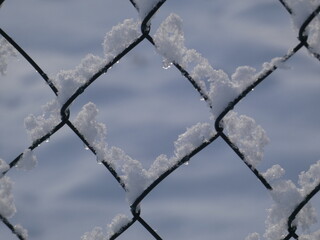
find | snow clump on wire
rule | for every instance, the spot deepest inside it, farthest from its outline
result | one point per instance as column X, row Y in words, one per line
column 301, row 10
column 116, row 41
column 7, row 207
column 215, row 84
column 68, row 81
column 6, row 51
column 145, row 6
column 287, row 196
column 249, row 137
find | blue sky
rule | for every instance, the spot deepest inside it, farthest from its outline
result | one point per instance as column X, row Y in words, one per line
column 145, row 108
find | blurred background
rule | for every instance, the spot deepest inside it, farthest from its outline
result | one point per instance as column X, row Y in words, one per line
column 145, row 107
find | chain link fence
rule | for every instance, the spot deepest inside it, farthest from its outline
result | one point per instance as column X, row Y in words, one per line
column 220, row 93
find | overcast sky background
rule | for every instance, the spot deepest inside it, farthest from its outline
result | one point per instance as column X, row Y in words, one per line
column 145, row 108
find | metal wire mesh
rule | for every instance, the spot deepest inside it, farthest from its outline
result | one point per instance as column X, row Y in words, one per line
column 145, row 36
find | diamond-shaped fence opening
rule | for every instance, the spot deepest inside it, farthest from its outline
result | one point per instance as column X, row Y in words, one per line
column 69, row 127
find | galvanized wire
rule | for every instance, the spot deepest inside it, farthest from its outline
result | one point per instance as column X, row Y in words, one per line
column 145, row 36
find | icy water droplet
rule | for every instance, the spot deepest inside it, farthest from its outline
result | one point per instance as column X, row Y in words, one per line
column 99, row 161
column 86, row 147
column 186, row 163
column 166, row 64
column 201, row 99
column 47, row 140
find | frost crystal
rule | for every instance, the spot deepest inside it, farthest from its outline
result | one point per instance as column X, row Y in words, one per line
column 117, row 223
column 7, row 208
column 39, row 126
column 28, row 160
column 6, row 51
column 249, row 137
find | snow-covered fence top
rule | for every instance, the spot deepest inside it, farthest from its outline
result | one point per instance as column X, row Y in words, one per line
column 220, row 92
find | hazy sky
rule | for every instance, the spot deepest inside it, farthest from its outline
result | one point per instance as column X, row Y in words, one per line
column 145, row 108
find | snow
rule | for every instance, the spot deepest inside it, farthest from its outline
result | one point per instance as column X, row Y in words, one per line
column 312, row 236
column 93, row 131
column 21, row 231
column 219, row 88
column 145, row 6
column 7, row 207
column 6, row 51
column 135, row 178
column 131, row 171
column 224, row 90
column 115, row 41
column 310, row 179
column 192, row 138
column 43, row 124
column 169, row 39
column 275, row 62
column 28, row 160
column 301, row 11
column 68, row 81
column 287, row 196
column 249, row 137
column 120, row 37
column 117, row 223
column 253, row 236
column 161, row 164
column 3, row 167
column 273, row 173
column 243, row 77
column 213, row 83
column 95, row 234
